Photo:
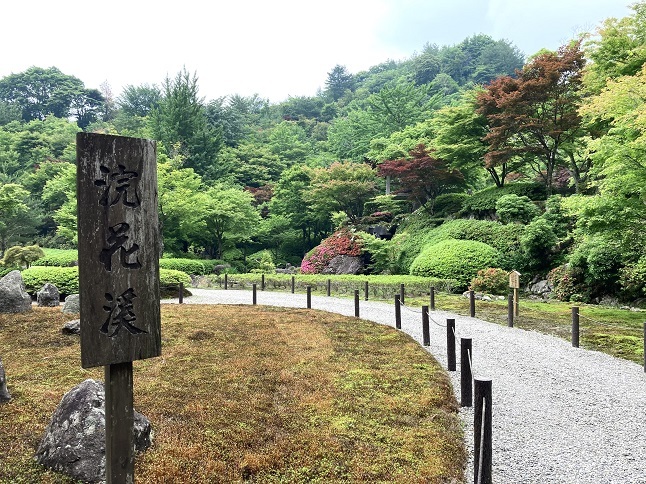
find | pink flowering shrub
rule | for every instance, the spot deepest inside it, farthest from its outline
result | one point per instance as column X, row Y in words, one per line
column 342, row 242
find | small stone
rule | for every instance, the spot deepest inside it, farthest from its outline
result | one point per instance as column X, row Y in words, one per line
column 48, row 296
column 72, row 327
column 72, row 304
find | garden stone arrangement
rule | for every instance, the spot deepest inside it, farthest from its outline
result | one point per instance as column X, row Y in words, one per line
column 560, row 414
column 13, row 297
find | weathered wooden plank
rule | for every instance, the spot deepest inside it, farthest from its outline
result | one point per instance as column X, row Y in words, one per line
column 118, row 234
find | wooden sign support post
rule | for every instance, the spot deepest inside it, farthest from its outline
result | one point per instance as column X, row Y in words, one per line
column 514, row 283
column 118, row 236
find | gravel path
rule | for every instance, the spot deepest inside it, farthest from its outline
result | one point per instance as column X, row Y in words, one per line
column 560, row 414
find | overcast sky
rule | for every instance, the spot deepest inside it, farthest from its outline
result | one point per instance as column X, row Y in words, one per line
column 276, row 48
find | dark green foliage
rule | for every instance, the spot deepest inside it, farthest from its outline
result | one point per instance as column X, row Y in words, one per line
column 633, row 281
column 512, row 208
column 449, row 204
column 189, row 266
column 66, row 279
column 563, row 280
column 536, row 243
column 599, row 260
column 483, row 203
column 58, row 258
column 455, row 259
column 492, row 280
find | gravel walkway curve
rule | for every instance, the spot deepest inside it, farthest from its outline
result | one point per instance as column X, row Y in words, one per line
column 560, row 414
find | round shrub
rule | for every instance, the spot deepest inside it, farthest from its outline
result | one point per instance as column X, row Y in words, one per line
column 66, row 279
column 492, row 280
column 449, row 204
column 58, row 258
column 512, row 208
column 633, row 280
column 341, row 242
column 189, row 266
column 563, row 280
column 169, row 280
column 455, row 259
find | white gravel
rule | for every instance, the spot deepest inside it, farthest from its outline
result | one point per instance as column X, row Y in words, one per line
column 560, row 414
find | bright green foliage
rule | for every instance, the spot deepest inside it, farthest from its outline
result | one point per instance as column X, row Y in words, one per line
column 342, row 187
column 170, row 277
column 633, row 280
column 66, row 279
column 287, row 140
column 563, row 280
column 189, row 266
column 599, row 261
column 262, row 262
column 58, row 258
column 253, row 164
column 483, row 203
column 492, row 280
column 455, row 259
column 386, row 203
column 381, row 252
column 449, row 204
column 17, row 256
column 512, row 208
column 537, row 245
column 14, row 212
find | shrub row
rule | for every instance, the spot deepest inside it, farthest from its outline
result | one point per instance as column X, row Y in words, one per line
column 58, row 258
column 66, row 279
column 383, row 287
column 198, row 267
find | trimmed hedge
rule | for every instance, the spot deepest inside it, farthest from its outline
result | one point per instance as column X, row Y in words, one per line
column 199, row 267
column 455, row 259
column 58, row 258
column 383, row 287
column 483, row 203
column 66, row 279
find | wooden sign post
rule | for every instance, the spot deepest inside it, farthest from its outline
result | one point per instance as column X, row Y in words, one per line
column 118, row 235
column 514, row 283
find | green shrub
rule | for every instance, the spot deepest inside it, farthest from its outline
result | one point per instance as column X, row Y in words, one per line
column 449, row 204
column 386, row 203
column 599, row 261
column 169, row 280
column 189, row 266
column 261, row 262
column 514, row 209
column 455, row 259
column 58, row 258
column 341, row 242
column 18, row 256
column 537, row 244
column 66, row 279
column 483, row 203
column 563, row 281
column 492, row 280
column 633, row 281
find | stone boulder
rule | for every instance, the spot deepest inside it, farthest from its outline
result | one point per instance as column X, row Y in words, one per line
column 4, row 393
column 344, row 264
column 72, row 304
column 72, row 327
column 540, row 288
column 13, row 296
column 74, row 441
column 48, row 296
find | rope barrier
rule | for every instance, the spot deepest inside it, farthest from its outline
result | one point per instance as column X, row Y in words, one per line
column 608, row 324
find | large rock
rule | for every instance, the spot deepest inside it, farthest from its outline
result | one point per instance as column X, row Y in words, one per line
column 74, row 441
column 13, row 297
column 72, row 327
column 344, row 264
column 4, row 393
column 48, row 296
column 540, row 288
column 72, row 304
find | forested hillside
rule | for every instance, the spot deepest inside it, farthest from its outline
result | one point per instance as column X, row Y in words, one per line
column 540, row 159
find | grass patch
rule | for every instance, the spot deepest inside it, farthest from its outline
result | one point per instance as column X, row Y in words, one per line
column 617, row 332
column 251, row 394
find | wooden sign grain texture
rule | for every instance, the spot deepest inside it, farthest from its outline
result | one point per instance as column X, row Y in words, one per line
column 118, row 235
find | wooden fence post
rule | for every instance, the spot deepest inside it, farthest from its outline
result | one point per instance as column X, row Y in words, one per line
column 328, row 287
column 482, row 432
column 293, row 284
column 402, row 293
column 356, row 303
column 366, row 291
column 450, row 344
column 466, row 373
column 575, row 326
column 226, row 281
column 432, row 301
column 398, row 313
column 181, row 293
column 254, row 293
column 510, row 310
column 425, row 329
column 262, row 282
column 472, row 304
column 309, row 297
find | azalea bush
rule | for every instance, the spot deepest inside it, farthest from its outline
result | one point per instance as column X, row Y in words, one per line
column 492, row 280
column 341, row 242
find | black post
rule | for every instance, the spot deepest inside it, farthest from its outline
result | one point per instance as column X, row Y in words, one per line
column 356, row 303
column 482, row 432
column 575, row 326
column 510, row 310
column 425, row 329
column 472, row 304
column 365, row 291
column 432, row 298
column 254, row 292
column 328, row 287
column 398, row 313
column 181, row 292
column 262, row 282
column 119, row 422
column 293, row 283
column 402, row 291
column 309, row 297
column 226, row 281
column 466, row 374
column 450, row 344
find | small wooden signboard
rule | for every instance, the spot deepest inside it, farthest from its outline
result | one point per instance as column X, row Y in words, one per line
column 514, row 283
column 118, row 233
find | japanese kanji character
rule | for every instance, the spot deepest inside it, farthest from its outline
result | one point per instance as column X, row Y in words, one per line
column 121, row 183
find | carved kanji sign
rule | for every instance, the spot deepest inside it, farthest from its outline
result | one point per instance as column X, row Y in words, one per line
column 118, row 249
